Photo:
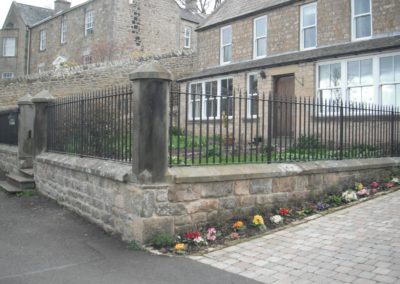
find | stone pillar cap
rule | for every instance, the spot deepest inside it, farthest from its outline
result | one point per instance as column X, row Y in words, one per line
column 43, row 97
column 153, row 70
column 25, row 100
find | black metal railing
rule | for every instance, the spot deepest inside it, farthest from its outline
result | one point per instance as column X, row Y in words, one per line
column 236, row 128
column 96, row 124
column 9, row 126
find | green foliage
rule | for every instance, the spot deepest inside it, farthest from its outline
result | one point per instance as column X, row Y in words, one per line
column 162, row 240
column 334, row 200
column 27, row 193
column 306, row 142
column 132, row 245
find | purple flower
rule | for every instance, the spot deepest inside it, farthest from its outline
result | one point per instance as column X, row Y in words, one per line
column 322, row 206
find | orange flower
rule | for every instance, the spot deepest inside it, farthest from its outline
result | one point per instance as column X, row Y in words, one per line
column 238, row 225
column 180, row 246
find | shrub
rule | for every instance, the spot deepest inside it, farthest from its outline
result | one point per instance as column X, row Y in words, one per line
column 334, row 200
column 162, row 240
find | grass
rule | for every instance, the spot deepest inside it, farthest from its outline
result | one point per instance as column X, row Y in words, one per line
column 27, row 193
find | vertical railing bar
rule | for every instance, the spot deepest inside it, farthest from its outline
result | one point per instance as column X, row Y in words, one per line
column 263, row 128
column 201, row 127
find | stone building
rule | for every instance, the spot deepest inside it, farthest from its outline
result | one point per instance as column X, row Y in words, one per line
column 35, row 39
column 341, row 49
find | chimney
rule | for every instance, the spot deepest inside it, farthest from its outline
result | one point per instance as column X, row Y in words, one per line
column 61, row 5
column 191, row 5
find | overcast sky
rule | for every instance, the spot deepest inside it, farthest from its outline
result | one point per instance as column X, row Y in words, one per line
column 5, row 6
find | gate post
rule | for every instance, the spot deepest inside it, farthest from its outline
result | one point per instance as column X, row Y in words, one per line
column 41, row 101
column 25, row 132
column 151, row 93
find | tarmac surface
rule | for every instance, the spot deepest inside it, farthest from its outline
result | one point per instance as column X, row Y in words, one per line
column 43, row 243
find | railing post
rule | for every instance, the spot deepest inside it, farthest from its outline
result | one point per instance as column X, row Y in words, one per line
column 392, row 133
column 25, row 132
column 151, row 94
column 269, row 131
column 41, row 101
column 341, row 130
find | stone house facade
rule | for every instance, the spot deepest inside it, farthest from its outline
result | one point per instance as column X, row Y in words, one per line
column 41, row 39
column 323, row 49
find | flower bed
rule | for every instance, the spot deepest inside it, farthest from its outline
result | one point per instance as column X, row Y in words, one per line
column 240, row 227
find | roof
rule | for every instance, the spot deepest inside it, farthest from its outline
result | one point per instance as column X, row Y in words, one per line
column 191, row 16
column 233, row 9
column 32, row 14
column 360, row 47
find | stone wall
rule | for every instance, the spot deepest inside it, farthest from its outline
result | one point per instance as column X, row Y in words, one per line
column 69, row 81
column 102, row 191
column 8, row 158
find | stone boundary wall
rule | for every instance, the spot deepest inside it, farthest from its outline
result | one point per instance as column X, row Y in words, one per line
column 8, row 158
column 74, row 80
column 102, row 191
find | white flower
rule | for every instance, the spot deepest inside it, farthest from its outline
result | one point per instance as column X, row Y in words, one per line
column 395, row 180
column 276, row 219
column 349, row 196
column 199, row 240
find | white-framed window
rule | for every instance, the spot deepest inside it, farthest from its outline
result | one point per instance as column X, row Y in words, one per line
column 89, row 19
column 308, row 26
column 9, row 46
column 226, row 45
column 389, row 78
column 187, row 37
column 7, row 75
column 372, row 79
column 42, row 40
column 211, row 99
column 260, row 37
column 252, row 95
column 361, row 24
column 64, row 29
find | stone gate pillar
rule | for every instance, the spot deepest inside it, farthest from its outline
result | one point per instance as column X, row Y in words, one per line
column 25, row 132
column 151, row 94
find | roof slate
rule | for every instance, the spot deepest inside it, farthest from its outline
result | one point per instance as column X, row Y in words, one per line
column 32, row 14
column 353, row 48
column 231, row 9
column 190, row 16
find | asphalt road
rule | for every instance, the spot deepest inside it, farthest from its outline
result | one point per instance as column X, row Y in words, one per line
column 41, row 242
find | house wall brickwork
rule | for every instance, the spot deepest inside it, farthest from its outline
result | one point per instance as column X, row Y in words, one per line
column 283, row 34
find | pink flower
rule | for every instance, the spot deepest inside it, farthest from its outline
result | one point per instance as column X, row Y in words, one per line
column 362, row 192
column 375, row 184
column 211, row 234
column 374, row 191
column 389, row 184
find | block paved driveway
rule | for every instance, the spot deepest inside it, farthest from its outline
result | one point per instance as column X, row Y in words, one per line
column 360, row 244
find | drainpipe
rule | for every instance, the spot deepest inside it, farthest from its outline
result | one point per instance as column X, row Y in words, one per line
column 28, row 65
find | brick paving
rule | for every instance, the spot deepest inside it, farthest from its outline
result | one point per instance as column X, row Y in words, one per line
column 360, row 244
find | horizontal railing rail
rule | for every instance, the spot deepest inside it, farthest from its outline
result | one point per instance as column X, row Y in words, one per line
column 9, row 126
column 96, row 124
column 236, row 128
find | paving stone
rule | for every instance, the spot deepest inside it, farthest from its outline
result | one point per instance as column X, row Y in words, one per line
column 349, row 246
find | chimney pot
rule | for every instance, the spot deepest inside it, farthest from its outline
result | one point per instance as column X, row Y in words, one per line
column 61, row 5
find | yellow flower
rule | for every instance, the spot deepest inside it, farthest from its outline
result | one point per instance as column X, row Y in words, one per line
column 258, row 220
column 359, row 186
column 238, row 225
column 180, row 246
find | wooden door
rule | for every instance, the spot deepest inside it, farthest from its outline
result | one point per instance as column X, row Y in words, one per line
column 282, row 114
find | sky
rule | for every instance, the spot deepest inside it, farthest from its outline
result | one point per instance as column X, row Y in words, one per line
column 5, row 6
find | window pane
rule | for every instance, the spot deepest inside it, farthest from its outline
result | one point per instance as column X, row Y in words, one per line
column 398, row 95
column 261, row 47
column 361, row 7
column 324, row 75
column 336, row 74
column 227, row 53
column 388, row 95
column 310, row 38
column 366, row 72
column 355, row 95
column 397, row 68
column 363, row 26
column 368, row 95
column 309, row 16
column 253, row 84
column 226, row 36
column 386, row 69
column 353, row 70
column 261, row 27
column 336, row 94
column 254, row 105
column 325, row 95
